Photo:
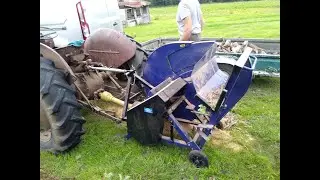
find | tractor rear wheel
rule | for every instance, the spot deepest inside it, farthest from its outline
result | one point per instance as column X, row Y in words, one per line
column 60, row 118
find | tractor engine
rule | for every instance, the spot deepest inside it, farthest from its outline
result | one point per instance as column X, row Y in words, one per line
column 109, row 48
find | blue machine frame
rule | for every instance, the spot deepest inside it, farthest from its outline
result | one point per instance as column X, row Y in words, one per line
column 177, row 60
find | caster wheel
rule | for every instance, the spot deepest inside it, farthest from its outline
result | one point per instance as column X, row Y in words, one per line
column 127, row 137
column 198, row 158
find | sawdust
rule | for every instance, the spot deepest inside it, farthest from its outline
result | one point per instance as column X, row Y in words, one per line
column 220, row 137
column 249, row 138
column 224, row 139
column 228, row 121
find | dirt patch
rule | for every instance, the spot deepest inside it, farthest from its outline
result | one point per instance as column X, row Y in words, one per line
column 45, row 135
column 46, row 176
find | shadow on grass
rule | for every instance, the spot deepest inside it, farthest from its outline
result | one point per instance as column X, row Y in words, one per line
column 266, row 82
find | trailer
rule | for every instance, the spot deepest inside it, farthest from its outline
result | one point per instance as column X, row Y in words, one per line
column 268, row 63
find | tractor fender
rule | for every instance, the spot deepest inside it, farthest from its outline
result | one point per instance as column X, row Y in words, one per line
column 60, row 63
column 109, row 47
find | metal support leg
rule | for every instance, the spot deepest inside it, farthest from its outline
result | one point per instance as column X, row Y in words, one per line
column 188, row 141
column 126, row 100
column 144, row 82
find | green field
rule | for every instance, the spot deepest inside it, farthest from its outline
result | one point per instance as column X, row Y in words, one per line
column 255, row 19
column 104, row 153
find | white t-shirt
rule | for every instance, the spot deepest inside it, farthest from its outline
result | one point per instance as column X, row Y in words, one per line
column 189, row 8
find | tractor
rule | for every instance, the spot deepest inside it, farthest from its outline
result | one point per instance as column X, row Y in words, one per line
column 142, row 88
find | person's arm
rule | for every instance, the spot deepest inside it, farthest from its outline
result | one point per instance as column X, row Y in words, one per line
column 185, row 14
column 187, row 29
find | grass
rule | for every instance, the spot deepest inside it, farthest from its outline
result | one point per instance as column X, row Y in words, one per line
column 254, row 19
column 103, row 151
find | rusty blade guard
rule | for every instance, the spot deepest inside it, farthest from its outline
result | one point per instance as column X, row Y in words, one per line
column 102, row 48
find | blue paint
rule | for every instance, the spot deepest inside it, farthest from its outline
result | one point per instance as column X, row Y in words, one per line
column 173, row 60
column 148, row 110
column 128, row 136
column 178, row 60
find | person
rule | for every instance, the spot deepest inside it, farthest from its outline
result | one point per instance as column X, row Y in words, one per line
column 190, row 20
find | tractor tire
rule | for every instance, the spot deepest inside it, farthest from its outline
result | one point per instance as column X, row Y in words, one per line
column 59, row 109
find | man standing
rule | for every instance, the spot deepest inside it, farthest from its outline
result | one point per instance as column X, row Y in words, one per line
column 190, row 20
